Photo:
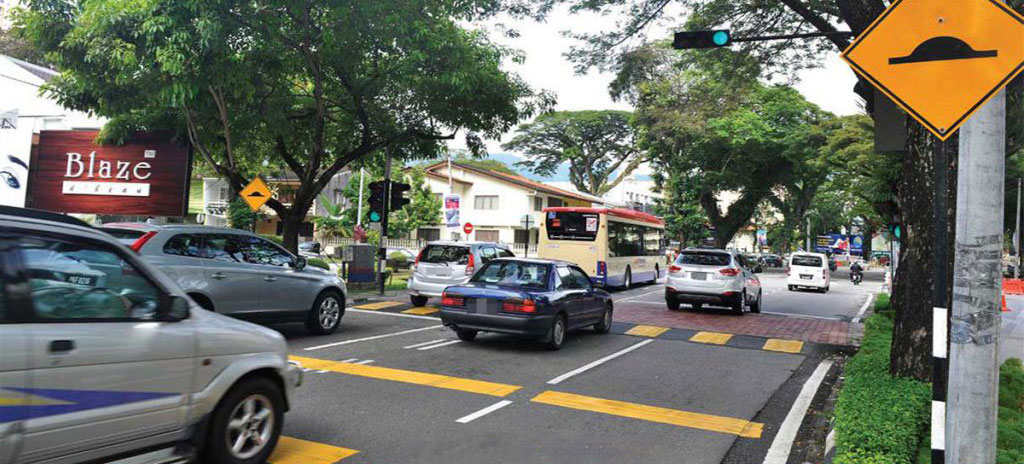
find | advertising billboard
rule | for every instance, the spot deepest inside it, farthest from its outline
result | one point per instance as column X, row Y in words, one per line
column 840, row 244
column 146, row 176
column 15, row 146
column 451, row 210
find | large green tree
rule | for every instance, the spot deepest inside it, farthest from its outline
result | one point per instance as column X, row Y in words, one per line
column 424, row 207
column 309, row 86
column 599, row 146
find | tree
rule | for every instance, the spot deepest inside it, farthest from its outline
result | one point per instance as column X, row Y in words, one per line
column 680, row 207
column 424, row 207
column 309, row 86
column 600, row 147
column 17, row 47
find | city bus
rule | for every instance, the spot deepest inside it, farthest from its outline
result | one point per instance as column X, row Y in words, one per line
column 616, row 247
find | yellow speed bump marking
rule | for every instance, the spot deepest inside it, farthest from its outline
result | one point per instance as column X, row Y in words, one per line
column 378, row 305
column 713, row 338
column 400, row 375
column 647, row 330
column 729, row 425
column 422, row 311
column 295, row 451
column 785, row 346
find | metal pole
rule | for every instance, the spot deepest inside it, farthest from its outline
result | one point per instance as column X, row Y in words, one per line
column 940, row 308
column 382, row 256
column 977, row 284
column 359, row 213
column 808, row 234
column 1016, row 235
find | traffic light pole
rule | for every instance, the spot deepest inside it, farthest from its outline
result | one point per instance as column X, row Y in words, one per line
column 940, row 311
column 382, row 251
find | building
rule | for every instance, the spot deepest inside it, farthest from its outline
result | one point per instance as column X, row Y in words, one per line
column 19, row 85
column 495, row 203
column 633, row 192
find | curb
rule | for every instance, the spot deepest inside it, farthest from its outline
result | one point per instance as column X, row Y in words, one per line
column 830, row 446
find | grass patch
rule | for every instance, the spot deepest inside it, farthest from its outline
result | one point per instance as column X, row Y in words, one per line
column 879, row 419
column 883, row 305
column 195, row 196
column 1010, row 438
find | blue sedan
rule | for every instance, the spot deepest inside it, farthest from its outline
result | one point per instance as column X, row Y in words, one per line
column 529, row 297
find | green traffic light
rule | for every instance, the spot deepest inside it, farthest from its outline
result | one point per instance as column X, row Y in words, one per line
column 720, row 38
column 374, row 216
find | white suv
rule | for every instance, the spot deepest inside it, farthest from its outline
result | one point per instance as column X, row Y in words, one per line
column 712, row 277
column 808, row 270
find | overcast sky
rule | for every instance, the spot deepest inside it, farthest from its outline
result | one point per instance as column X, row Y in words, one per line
column 830, row 87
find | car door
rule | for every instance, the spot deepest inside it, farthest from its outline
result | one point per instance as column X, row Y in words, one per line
column 104, row 372
column 572, row 296
column 592, row 305
column 15, row 342
column 284, row 288
column 233, row 284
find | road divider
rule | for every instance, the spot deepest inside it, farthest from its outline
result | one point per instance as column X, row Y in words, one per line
column 422, row 311
column 295, row 451
column 713, row 338
column 378, row 305
column 784, row 346
column 728, row 425
column 647, row 331
column 412, row 377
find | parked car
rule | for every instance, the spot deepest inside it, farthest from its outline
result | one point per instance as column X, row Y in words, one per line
column 773, row 260
column 124, row 366
column 712, row 277
column 309, row 249
column 754, row 262
column 529, row 297
column 808, row 270
column 444, row 263
column 240, row 274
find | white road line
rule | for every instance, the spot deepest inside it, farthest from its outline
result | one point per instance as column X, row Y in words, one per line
column 417, row 345
column 365, row 361
column 483, row 412
column 430, row 347
column 410, row 316
column 640, row 295
column 594, row 364
column 783, row 442
column 375, row 337
column 350, row 360
column 864, row 308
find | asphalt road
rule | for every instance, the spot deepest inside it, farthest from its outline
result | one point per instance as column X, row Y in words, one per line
column 396, row 388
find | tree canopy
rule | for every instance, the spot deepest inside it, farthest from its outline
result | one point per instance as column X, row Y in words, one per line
column 599, row 146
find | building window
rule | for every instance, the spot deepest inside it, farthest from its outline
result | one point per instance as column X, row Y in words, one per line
column 538, row 203
column 555, row 202
column 485, row 202
column 487, row 235
column 223, row 194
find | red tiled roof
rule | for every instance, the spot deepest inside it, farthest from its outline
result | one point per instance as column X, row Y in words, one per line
column 516, row 179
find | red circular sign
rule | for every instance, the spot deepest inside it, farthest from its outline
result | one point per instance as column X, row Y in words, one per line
column 468, row 228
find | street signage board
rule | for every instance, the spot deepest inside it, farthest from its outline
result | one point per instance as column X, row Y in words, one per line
column 148, row 175
column 255, row 194
column 468, row 228
column 940, row 60
column 451, row 210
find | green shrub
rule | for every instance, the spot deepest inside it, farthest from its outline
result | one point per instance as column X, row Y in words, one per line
column 883, row 305
column 1010, row 438
column 317, row 262
column 398, row 256
column 879, row 419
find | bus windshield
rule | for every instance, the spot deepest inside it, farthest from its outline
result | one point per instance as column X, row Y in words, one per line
column 566, row 225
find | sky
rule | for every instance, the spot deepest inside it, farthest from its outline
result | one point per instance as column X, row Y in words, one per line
column 545, row 67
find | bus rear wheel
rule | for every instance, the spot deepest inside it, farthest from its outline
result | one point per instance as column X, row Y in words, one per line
column 627, row 281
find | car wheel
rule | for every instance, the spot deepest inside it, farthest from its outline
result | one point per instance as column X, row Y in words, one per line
column 325, row 317
column 556, row 334
column 418, row 300
column 605, row 325
column 627, row 280
column 738, row 306
column 696, row 306
column 756, row 306
column 246, row 424
column 466, row 335
column 673, row 304
column 792, row 288
column 657, row 274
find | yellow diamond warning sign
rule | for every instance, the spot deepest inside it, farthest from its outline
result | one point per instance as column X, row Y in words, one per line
column 255, row 194
column 940, row 60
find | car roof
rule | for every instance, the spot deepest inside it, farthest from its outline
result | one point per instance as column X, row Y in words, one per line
column 705, row 250
column 467, row 244
column 35, row 218
column 557, row 262
column 181, row 228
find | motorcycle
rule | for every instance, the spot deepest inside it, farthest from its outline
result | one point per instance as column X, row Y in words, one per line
column 856, row 277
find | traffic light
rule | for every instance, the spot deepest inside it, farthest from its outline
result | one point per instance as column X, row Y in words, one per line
column 896, row 230
column 701, row 39
column 378, row 195
column 398, row 200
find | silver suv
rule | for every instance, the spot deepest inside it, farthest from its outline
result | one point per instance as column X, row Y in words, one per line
column 713, row 277
column 441, row 264
column 243, row 275
column 103, row 356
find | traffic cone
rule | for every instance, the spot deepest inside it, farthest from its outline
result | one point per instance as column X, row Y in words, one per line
column 1005, row 309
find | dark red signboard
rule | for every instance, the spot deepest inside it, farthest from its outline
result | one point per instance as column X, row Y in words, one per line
column 147, row 176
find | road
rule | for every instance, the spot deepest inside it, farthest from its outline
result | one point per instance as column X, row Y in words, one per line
column 707, row 387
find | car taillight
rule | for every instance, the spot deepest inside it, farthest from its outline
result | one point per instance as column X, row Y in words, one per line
column 418, row 256
column 729, row 271
column 470, row 265
column 519, row 306
column 824, row 273
column 602, row 268
column 137, row 245
column 449, row 300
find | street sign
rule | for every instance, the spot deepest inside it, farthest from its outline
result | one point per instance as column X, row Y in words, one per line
column 255, row 194
column 526, row 221
column 940, row 60
column 468, row 228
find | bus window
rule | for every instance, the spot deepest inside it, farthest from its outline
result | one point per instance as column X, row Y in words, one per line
column 567, row 225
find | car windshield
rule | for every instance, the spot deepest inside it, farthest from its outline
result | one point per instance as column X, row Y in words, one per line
column 703, row 258
column 445, row 254
column 805, row 260
column 513, row 274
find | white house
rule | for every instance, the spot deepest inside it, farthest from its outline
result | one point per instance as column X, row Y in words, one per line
column 495, row 203
column 633, row 193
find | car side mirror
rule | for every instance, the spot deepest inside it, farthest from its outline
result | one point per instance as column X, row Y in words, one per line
column 299, row 263
column 175, row 308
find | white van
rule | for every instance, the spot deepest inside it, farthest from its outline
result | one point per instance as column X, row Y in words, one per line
column 808, row 270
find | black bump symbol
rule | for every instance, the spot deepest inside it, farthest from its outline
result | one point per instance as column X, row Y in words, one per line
column 942, row 49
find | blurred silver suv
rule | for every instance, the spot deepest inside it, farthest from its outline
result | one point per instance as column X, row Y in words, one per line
column 713, row 277
column 243, row 275
column 444, row 263
column 104, row 357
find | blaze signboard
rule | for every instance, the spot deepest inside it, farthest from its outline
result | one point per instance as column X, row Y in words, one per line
column 147, row 176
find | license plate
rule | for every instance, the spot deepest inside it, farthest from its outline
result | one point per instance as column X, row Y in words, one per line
column 82, row 280
column 440, row 272
column 806, row 276
column 699, row 275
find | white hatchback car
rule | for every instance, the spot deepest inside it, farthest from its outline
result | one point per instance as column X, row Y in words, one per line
column 808, row 270
column 713, row 277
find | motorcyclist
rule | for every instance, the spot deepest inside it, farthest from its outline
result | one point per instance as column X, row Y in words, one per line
column 856, row 271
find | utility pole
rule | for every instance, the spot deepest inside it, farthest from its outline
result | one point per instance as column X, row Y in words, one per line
column 359, row 212
column 808, row 249
column 977, row 284
column 382, row 251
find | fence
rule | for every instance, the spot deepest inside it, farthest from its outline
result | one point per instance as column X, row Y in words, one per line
column 408, row 243
column 521, row 249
